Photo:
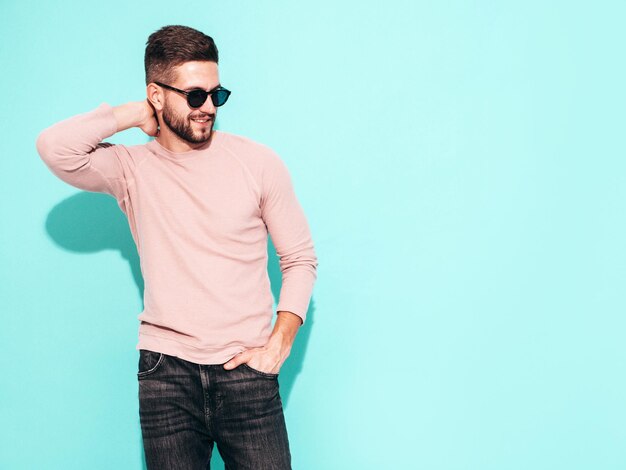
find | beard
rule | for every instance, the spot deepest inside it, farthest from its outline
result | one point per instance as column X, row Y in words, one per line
column 182, row 126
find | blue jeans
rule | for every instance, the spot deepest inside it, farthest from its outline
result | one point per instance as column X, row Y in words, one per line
column 185, row 407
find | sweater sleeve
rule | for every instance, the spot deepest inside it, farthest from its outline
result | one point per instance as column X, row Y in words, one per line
column 288, row 227
column 73, row 150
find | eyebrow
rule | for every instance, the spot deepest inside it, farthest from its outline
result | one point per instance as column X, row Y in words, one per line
column 200, row 88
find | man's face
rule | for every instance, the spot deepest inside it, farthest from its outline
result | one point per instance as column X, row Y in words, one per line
column 193, row 125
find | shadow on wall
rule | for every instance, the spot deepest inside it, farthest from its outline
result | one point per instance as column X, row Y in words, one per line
column 92, row 222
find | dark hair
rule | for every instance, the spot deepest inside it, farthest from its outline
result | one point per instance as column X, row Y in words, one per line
column 174, row 45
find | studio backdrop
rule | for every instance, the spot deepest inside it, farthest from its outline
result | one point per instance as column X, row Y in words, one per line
column 462, row 168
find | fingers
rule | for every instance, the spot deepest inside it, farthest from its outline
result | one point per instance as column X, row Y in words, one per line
column 236, row 361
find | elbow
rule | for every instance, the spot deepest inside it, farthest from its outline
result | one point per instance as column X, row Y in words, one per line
column 43, row 144
column 58, row 156
column 47, row 148
column 304, row 264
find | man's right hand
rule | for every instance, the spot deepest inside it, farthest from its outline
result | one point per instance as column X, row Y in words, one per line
column 150, row 125
column 137, row 114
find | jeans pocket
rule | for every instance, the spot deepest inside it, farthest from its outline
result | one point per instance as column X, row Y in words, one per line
column 149, row 362
column 258, row 372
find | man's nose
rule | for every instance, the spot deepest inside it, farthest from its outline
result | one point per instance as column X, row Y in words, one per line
column 208, row 107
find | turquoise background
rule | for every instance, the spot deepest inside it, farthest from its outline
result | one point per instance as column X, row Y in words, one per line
column 462, row 168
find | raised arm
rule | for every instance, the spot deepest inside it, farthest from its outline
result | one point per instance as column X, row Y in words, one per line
column 136, row 114
column 73, row 149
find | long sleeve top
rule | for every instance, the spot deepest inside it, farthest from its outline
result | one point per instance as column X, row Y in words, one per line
column 200, row 220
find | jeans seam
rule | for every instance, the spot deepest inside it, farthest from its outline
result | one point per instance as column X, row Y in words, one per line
column 260, row 372
column 153, row 369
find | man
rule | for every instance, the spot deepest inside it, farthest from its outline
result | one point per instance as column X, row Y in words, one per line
column 200, row 203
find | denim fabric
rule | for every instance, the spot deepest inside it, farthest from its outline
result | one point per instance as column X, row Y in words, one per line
column 185, row 408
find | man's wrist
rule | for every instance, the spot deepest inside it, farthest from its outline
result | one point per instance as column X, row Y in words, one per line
column 129, row 115
column 279, row 344
column 284, row 333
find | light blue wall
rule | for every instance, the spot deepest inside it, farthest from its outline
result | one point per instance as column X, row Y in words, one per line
column 462, row 166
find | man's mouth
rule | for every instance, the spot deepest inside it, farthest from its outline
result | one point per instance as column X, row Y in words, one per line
column 202, row 120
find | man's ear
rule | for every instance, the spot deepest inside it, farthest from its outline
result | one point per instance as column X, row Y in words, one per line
column 155, row 96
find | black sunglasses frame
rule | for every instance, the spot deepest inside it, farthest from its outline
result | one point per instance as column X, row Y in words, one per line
column 200, row 95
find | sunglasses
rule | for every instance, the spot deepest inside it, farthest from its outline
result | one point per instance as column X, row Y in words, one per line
column 196, row 98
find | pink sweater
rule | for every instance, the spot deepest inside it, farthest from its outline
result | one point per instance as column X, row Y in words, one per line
column 200, row 220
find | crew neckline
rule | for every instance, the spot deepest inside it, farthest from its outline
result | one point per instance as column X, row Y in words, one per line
column 215, row 141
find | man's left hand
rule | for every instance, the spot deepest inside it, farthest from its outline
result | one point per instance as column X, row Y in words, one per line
column 261, row 359
column 270, row 357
